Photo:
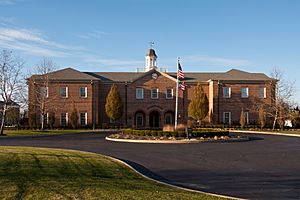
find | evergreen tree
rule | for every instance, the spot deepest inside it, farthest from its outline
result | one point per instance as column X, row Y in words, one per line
column 114, row 104
column 198, row 107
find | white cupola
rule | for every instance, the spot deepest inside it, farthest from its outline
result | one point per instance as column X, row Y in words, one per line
column 150, row 60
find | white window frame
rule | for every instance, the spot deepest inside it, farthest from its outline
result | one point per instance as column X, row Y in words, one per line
column 85, row 118
column 169, row 97
column 264, row 94
column 67, row 120
column 245, row 95
column 229, row 92
column 137, row 94
column 229, row 118
column 66, row 88
column 152, row 93
column 85, row 92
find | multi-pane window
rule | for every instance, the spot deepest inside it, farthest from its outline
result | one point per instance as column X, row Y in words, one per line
column 244, row 92
column 226, row 92
column 262, row 92
column 63, row 92
column 169, row 94
column 139, row 119
column 83, row 118
column 139, row 93
column 44, row 92
column 227, row 117
column 83, row 92
column 154, row 93
column 63, row 119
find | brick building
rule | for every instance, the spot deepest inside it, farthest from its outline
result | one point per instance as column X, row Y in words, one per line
column 149, row 96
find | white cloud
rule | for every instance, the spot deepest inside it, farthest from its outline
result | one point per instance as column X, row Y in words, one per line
column 216, row 61
column 31, row 42
column 92, row 34
column 8, row 2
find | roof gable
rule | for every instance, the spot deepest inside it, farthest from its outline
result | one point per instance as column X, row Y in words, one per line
column 67, row 74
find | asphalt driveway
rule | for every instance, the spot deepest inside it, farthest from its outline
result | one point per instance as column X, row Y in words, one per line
column 265, row 168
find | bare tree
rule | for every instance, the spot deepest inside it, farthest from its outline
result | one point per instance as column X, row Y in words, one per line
column 11, row 81
column 41, row 82
column 281, row 98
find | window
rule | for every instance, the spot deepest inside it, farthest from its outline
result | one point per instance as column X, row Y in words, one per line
column 63, row 119
column 83, row 119
column 227, row 118
column 83, row 92
column 139, row 120
column 226, row 92
column 169, row 118
column 154, row 93
column 44, row 92
column 169, row 94
column 246, row 115
column 244, row 92
column 139, row 93
column 63, row 92
column 262, row 92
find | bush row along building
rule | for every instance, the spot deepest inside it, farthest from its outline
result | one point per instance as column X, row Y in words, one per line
column 148, row 97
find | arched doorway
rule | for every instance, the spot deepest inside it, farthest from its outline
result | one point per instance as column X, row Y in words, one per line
column 154, row 119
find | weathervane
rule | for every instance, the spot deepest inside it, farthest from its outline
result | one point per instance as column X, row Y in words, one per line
column 151, row 44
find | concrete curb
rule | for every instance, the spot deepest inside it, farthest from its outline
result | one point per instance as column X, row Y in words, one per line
column 265, row 133
column 170, row 185
column 184, row 141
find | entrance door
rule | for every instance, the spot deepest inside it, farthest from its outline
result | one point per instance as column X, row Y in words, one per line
column 154, row 119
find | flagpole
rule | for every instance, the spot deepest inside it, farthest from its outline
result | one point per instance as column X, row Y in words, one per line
column 176, row 103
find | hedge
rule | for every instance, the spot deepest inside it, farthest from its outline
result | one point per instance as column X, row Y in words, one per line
column 205, row 133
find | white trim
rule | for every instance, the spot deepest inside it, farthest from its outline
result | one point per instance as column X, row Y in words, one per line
column 157, row 93
column 85, row 118
column 229, row 120
column 229, row 92
column 47, row 92
column 85, row 92
column 66, row 115
column 136, row 94
column 264, row 95
column 247, row 92
column 172, row 93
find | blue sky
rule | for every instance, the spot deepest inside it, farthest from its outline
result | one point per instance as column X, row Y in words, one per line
column 113, row 35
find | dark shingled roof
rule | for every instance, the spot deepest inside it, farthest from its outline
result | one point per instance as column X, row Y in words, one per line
column 67, row 74
column 151, row 52
column 231, row 75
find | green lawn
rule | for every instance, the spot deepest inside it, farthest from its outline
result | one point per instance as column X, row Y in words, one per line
column 39, row 173
column 38, row 132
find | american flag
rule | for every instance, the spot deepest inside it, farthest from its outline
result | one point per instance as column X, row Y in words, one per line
column 182, row 86
column 180, row 72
